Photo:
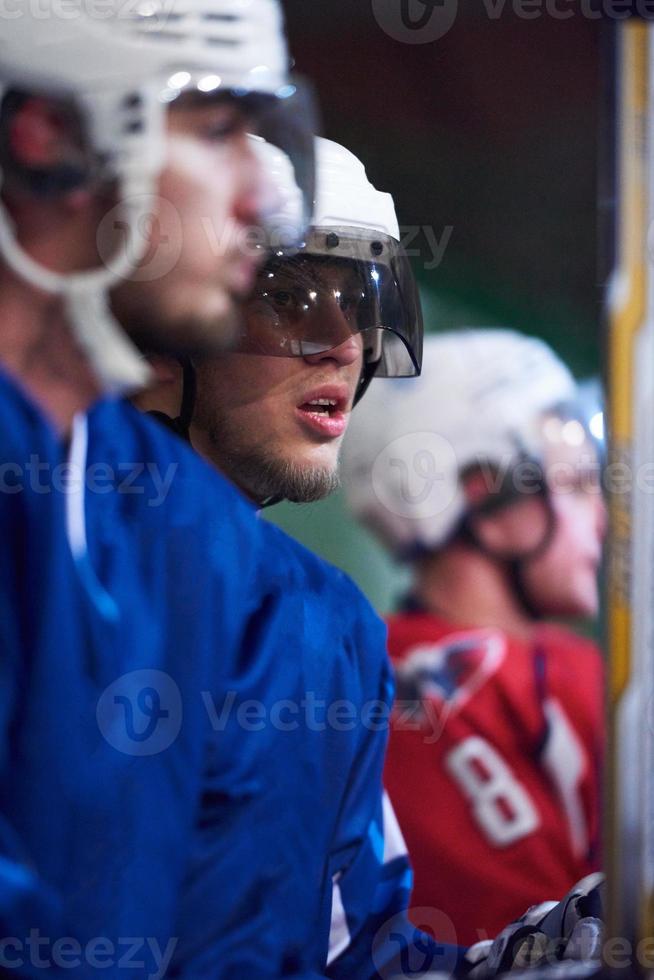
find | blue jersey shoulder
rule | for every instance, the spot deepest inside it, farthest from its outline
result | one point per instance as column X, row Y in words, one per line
column 351, row 614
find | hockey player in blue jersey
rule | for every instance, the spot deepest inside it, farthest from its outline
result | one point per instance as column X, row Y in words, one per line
column 119, row 570
column 272, row 416
column 354, row 869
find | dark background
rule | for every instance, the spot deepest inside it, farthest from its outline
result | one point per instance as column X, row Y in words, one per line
column 494, row 130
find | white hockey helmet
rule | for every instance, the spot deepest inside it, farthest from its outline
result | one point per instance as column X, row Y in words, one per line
column 121, row 62
column 354, row 226
column 481, row 399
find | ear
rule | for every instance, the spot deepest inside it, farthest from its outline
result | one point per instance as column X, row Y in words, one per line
column 514, row 530
column 165, row 394
column 167, row 370
column 43, row 149
column 37, row 135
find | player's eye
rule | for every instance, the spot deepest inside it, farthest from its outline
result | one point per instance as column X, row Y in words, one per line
column 224, row 122
column 283, row 299
column 289, row 303
column 349, row 301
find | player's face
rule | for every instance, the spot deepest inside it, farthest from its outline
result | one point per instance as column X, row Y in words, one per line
column 198, row 266
column 563, row 580
column 275, row 425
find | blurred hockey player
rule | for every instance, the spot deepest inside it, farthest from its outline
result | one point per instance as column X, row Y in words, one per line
column 129, row 176
column 483, row 478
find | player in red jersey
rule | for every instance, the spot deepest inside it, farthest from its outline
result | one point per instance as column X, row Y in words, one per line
column 484, row 478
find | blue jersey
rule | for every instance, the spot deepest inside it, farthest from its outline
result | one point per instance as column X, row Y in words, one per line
column 295, row 860
column 194, row 720
column 294, row 730
column 37, row 613
column 114, row 591
column 342, row 908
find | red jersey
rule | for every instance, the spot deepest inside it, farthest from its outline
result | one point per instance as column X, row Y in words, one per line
column 493, row 766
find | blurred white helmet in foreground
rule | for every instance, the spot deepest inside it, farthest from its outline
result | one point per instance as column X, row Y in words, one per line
column 119, row 66
column 481, row 400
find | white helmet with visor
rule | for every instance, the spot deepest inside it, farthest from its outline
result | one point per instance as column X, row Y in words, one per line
column 350, row 275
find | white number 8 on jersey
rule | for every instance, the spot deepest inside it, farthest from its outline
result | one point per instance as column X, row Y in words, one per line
column 501, row 806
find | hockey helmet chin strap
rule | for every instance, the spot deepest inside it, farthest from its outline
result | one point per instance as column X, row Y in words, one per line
column 514, row 564
column 368, row 372
column 115, row 361
column 117, row 364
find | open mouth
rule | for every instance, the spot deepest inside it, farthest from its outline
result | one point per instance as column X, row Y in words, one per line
column 325, row 414
column 322, row 407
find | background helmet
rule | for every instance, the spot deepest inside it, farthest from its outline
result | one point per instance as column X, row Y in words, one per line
column 121, row 62
column 482, row 398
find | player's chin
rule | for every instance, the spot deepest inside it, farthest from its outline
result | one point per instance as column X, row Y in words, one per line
column 324, row 456
column 587, row 593
column 588, row 604
column 210, row 329
column 582, row 603
column 307, row 484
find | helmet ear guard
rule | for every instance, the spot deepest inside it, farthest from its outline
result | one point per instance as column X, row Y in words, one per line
column 372, row 353
column 484, row 501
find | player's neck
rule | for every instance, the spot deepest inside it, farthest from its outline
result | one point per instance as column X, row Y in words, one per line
column 37, row 348
column 469, row 589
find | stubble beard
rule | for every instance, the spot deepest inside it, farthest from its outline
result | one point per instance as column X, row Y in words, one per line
column 267, row 478
column 264, row 476
column 189, row 335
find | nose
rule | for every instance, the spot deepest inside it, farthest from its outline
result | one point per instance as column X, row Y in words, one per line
column 344, row 345
column 345, row 354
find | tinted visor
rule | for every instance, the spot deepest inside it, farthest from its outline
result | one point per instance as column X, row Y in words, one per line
column 338, row 284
